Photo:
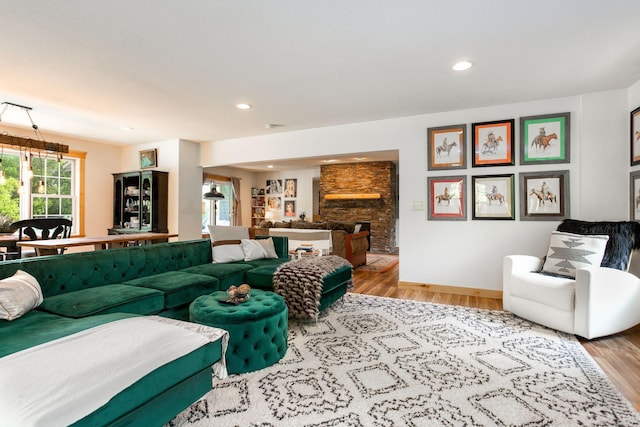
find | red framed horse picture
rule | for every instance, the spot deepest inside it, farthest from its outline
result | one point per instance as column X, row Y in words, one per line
column 447, row 197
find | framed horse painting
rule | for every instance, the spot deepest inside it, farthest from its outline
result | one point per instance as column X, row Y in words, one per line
column 447, row 197
column 493, row 197
column 493, row 143
column 634, row 193
column 635, row 137
column 544, row 195
column 545, row 139
column 446, row 147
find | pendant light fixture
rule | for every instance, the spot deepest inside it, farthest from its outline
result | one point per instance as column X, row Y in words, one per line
column 38, row 143
column 213, row 194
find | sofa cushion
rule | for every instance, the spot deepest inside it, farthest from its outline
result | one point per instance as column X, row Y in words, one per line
column 37, row 327
column 179, row 287
column 226, row 243
column 568, row 252
column 268, row 262
column 105, row 299
column 262, row 277
column 19, row 294
column 227, row 274
column 552, row 291
column 624, row 237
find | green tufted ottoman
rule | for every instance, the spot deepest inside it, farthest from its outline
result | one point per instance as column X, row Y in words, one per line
column 257, row 328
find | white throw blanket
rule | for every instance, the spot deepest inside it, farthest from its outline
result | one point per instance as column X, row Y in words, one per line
column 62, row 381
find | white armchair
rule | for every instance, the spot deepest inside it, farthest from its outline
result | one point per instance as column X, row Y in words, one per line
column 600, row 301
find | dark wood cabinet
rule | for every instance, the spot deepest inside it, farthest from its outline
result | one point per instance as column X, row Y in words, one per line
column 140, row 202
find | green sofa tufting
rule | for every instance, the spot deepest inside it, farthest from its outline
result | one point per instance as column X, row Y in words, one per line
column 84, row 290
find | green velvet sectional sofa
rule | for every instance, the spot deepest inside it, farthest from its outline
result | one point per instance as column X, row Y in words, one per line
column 84, row 290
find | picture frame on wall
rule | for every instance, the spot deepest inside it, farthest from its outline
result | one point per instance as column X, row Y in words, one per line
column 447, row 198
column 290, row 208
column 274, row 203
column 634, row 196
column 446, row 147
column 635, row 136
column 274, row 186
column 493, row 143
column 545, row 139
column 544, row 196
column 148, row 158
column 290, row 188
column 493, row 197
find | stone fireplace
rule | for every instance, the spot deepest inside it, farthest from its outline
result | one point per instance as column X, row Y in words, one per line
column 362, row 192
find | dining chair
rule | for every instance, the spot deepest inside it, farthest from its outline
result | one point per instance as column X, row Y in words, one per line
column 39, row 229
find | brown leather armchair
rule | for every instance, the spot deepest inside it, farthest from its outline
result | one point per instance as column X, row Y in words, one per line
column 350, row 246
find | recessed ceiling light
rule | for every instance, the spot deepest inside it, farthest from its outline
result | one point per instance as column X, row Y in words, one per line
column 270, row 166
column 243, row 106
column 128, row 129
column 360, row 158
column 329, row 160
column 462, row 65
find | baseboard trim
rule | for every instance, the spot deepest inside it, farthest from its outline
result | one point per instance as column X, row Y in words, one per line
column 456, row 290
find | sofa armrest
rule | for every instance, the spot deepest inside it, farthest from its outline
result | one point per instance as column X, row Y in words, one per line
column 350, row 246
column 607, row 301
column 513, row 265
column 357, row 245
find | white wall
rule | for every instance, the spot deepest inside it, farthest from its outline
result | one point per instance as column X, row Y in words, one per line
column 634, row 96
column 469, row 253
column 189, row 206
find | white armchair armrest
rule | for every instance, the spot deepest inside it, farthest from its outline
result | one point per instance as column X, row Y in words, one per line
column 607, row 301
column 512, row 265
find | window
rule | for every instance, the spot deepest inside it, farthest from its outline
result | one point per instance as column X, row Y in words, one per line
column 40, row 186
column 52, row 188
column 217, row 212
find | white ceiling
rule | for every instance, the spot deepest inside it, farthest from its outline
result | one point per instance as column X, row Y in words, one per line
column 175, row 69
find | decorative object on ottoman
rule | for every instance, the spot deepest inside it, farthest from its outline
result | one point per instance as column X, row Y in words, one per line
column 301, row 281
column 257, row 328
column 238, row 294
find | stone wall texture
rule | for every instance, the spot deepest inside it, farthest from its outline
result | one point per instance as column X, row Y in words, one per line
column 366, row 177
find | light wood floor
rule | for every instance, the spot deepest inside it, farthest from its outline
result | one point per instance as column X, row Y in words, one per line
column 617, row 355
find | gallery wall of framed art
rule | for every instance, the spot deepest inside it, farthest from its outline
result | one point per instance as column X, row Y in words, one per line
column 536, row 195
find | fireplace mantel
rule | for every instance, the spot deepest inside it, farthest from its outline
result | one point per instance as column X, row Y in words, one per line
column 352, row 196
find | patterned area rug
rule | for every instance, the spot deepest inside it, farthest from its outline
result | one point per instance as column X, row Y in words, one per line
column 373, row 361
column 379, row 263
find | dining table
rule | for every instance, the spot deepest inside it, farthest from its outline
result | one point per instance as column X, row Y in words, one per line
column 56, row 246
